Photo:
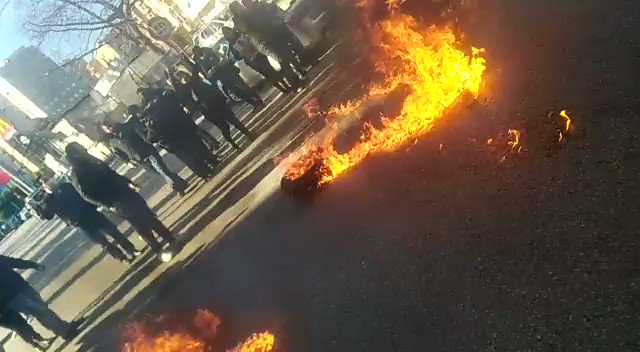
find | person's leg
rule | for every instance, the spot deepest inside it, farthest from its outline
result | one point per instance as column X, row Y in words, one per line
column 107, row 227
column 244, row 92
column 233, row 119
column 292, row 78
column 261, row 64
column 209, row 140
column 134, row 208
column 172, row 178
column 30, row 303
column 91, row 226
column 162, row 230
column 225, row 129
column 22, row 327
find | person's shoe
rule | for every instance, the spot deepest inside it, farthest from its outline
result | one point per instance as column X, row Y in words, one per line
column 44, row 344
column 74, row 329
column 258, row 107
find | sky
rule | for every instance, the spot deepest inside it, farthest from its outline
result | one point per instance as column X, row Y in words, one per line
column 11, row 37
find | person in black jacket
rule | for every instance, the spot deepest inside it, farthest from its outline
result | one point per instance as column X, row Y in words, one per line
column 65, row 202
column 214, row 106
column 125, row 138
column 241, row 47
column 216, row 68
column 169, row 125
column 98, row 184
column 17, row 296
column 14, row 321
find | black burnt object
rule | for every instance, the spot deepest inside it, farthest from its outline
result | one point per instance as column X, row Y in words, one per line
column 304, row 185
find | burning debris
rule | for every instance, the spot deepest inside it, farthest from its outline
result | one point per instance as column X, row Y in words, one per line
column 197, row 334
column 312, row 109
column 437, row 74
column 506, row 144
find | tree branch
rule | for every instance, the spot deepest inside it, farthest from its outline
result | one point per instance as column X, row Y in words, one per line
column 4, row 6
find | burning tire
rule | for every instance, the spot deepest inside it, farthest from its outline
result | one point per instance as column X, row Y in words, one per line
column 304, row 185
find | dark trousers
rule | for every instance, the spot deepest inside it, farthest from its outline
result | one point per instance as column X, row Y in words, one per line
column 155, row 163
column 194, row 153
column 261, row 64
column 98, row 228
column 30, row 302
column 131, row 206
column 16, row 322
column 232, row 81
column 223, row 117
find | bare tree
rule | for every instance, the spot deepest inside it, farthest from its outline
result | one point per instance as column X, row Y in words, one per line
column 85, row 20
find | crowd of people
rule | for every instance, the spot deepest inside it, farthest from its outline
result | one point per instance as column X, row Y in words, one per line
column 163, row 120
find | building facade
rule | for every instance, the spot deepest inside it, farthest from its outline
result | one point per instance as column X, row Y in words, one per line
column 38, row 86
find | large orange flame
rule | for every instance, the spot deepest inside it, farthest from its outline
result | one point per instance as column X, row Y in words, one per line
column 427, row 60
column 194, row 335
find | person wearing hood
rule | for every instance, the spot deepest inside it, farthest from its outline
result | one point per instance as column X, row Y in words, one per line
column 100, row 185
column 215, row 108
column 64, row 202
column 126, row 139
column 225, row 71
column 170, row 126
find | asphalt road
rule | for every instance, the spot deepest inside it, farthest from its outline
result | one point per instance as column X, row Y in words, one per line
column 430, row 248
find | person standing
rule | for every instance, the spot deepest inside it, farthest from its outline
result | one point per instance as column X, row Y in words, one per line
column 228, row 74
column 125, row 137
column 65, row 202
column 215, row 108
column 265, row 28
column 17, row 296
column 169, row 125
column 241, row 48
column 98, row 184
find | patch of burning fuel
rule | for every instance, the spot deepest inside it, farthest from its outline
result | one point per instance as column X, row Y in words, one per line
column 426, row 72
column 186, row 334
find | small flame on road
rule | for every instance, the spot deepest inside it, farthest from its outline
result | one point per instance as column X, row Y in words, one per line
column 515, row 142
column 312, row 109
column 567, row 118
column 194, row 335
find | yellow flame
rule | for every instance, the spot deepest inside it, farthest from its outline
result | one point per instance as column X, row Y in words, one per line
column 516, row 138
column 262, row 342
column 427, row 60
column 564, row 114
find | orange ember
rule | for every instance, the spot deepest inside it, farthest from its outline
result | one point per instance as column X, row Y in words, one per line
column 194, row 335
column 430, row 62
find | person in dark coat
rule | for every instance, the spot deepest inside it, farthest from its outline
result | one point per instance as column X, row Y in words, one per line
column 65, row 202
column 214, row 106
column 225, row 71
column 17, row 296
column 242, row 48
column 263, row 24
column 169, row 125
column 126, row 138
column 98, row 184
column 14, row 321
